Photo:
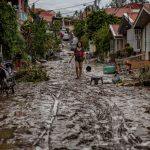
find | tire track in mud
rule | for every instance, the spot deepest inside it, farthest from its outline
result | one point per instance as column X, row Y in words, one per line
column 47, row 131
column 87, row 119
column 53, row 90
column 73, row 115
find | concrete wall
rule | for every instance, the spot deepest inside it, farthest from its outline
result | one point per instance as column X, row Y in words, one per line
column 143, row 40
column 146, row 41
column 148, row 37
column 131, row 39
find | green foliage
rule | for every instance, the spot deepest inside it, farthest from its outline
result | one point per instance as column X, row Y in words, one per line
column 85, row 41
column 119, row 54
column 101, row 39
column 144, row 73
column 128, row 50
column 79, row 28
column 56, row 26
column 32, row 74
column 76, row 13
column 95, row 27
column 38, row 40
column 117, row 3
column 18, row 43
column 59, row 14
column 97, row 20
column 9, row 36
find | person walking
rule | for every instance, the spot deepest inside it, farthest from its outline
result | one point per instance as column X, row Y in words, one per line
column 79, row 56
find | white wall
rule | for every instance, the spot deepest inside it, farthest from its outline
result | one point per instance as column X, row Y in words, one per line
column 131, row 39
column 148, row 37
column 147, row 41
column 143, row 40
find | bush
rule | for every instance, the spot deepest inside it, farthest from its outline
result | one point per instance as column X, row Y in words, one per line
column 144, row 74
column 85, row 41
column 128, row 50
column 119, row 54
column 32, row 74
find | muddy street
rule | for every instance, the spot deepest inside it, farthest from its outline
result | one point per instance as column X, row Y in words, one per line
column 68, row 114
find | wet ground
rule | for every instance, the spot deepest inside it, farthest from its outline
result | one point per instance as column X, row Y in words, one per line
column 68, row 114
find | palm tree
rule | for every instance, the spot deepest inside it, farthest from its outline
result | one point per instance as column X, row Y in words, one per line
column 76, row 14
column 89, row 8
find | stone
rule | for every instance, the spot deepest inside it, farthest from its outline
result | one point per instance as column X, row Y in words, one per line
column 2, row 117
column 72, row 136
column 71, row 125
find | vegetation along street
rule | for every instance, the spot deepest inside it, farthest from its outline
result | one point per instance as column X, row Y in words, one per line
column 75, row 75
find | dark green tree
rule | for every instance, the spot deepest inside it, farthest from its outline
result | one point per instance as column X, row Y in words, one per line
column 97, row 19
column 58, row 14
column 36, row 36
column 97, row 29
column 79, row 28
column 56, row 26
column 117, row 3
column 85, row 41
column 38, row 40
column 9, row 35
column 101, row 39
column 76, row 14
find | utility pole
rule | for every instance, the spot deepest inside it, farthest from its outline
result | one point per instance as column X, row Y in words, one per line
column 96, row 4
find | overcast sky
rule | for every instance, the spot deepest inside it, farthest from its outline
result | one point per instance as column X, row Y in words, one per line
column 56, row 4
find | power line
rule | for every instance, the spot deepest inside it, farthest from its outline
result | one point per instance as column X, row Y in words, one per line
column 74, row 6
column 68, row 12
column 34, row 2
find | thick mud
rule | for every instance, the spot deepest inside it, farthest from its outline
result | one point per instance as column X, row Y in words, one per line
column 68, row 114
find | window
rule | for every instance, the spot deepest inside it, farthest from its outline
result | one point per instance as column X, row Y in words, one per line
column 138, row 36
column 138, row 43
column 112, row 45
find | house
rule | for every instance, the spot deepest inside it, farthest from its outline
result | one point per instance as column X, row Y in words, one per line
column 21, row 7
column 69, row 23
column 119, row 12
column 142, row 30
column 116, row 41
column 47, row 16
column 123, row 33
column 134, row 29
column 127, row 32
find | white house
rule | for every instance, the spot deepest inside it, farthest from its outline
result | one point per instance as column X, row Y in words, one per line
column 142, row 30
column 134, row 29
column 125, row 28
column 116, row 42
column 123, row 33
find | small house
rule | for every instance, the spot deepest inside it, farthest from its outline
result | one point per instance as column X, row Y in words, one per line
column 142, row 30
